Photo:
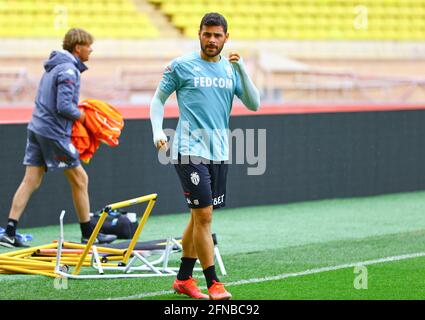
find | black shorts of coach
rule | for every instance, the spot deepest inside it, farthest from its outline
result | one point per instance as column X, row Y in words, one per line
column 203, row 181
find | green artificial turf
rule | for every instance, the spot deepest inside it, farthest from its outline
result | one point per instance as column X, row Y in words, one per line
column 267, row 241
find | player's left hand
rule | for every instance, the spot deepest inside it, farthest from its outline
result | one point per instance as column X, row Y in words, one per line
column 234, row 57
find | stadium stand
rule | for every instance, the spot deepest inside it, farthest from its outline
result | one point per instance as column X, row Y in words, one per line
column 47, row 19
column 297, row 51
column 251, row 19
column 306, row 19
column 13, row 81
column 138, row 82
column 283, row 79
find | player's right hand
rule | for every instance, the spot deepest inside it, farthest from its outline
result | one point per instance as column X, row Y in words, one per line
column 162, row 145
column 160, row 140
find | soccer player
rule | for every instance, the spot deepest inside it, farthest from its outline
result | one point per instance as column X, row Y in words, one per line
column 49, row 144
column 205, row 83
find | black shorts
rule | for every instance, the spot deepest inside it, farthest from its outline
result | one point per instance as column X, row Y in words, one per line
column 203, row 181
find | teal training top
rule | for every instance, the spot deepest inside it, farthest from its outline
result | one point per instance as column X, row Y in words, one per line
column 205, row 92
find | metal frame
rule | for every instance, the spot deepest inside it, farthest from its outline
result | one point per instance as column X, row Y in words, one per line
column 126, row 266
column 156, row 268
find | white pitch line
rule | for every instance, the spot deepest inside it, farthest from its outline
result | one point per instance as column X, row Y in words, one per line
column 288, row 275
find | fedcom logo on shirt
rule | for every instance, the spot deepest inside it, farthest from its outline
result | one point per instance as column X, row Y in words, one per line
column 207, row 82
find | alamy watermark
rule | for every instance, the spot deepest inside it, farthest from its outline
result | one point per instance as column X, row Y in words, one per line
column 60, row 283
column 361, row 20
column 60, row 20
column 360, row 281
column 238, row 146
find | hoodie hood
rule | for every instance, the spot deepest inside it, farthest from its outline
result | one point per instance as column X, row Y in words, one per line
column 61, row 57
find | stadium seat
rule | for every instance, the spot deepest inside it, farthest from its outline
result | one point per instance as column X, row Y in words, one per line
column 51, row 18
column 307, row 19
column 255, row 19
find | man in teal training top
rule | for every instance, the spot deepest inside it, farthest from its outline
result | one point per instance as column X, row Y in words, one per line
column 205, row 83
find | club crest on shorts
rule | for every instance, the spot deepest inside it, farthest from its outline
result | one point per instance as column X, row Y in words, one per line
column 194, row 177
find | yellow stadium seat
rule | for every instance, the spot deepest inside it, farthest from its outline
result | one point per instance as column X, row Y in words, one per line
column 50, row 18
column 248, row 19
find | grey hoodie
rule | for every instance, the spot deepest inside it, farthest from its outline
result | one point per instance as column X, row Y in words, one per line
column 57, row 98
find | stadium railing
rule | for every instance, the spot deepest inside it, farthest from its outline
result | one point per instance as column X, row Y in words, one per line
column 13, row 81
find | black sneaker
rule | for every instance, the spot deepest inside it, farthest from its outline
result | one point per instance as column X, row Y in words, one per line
column 11, row 242
column 101, row 238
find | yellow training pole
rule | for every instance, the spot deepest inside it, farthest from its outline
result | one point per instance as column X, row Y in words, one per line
column 102, row 218
column 114, row 258
column 45, row 268
column 90, row 242
column 41, row 259
column 138, row 230
column 131, row 202
column 11, row 259
column 29, row 271
column 26, row 263
column 29, row 250
column 99, row 249
column 73, row 262
column 22, row 255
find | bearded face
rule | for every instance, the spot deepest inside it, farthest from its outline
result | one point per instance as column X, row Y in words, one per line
column 212, row 40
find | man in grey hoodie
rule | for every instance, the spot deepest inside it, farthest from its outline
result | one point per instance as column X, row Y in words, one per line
column 49, row 145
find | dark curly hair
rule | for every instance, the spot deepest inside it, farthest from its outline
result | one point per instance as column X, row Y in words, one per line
column 214, row 19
